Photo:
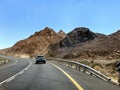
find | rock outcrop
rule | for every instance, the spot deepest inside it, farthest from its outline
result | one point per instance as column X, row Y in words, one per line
column 78, row 35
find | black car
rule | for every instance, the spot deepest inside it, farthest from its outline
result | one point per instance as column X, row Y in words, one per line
column 40, row 59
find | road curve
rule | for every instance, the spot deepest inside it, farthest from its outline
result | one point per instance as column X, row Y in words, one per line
column 48, row 77
column 37, row 77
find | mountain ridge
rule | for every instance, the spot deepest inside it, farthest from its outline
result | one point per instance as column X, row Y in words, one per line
column 80, row 43
column 100, row 45
column 35, row 44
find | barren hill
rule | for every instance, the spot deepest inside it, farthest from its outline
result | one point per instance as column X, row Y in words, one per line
column 80, row 43
column 83, row 43
column 36, row 44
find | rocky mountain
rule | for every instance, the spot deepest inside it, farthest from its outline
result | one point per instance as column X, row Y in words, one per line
column 36, row 44
column 61, row 33
column 80, row 43
column 78, row 35
column 83, row 43
column 97, row 50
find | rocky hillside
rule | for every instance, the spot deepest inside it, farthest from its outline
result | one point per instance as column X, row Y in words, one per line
column 82, row 43
column 78, row 35
column 36, row 44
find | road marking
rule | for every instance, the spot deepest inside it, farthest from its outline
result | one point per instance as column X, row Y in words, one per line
column 9, row 65
column 71, row 79
column 19, row 73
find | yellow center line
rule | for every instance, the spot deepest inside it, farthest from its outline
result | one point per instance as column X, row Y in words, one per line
column 71, row 79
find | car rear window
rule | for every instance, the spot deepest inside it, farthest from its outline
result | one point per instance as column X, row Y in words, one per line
column 40, row 56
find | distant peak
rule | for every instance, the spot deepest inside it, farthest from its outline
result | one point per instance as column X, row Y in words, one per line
column 82, row 29
column 47, row 29
column 61, row 31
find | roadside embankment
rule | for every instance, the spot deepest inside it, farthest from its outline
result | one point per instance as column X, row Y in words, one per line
column 3, row 61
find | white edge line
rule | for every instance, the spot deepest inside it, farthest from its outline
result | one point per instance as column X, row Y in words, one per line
column 11, row 78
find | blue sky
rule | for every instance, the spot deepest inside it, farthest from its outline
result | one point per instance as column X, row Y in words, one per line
column 21, row 18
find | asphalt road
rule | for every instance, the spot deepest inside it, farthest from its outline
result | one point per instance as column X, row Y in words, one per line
column 23, row 74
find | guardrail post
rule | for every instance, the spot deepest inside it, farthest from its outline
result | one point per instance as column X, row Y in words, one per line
column 68, row 64
column 79, row 68
column 84, row 69
column 76, row 66
column 91, row 74
column 71, row 65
